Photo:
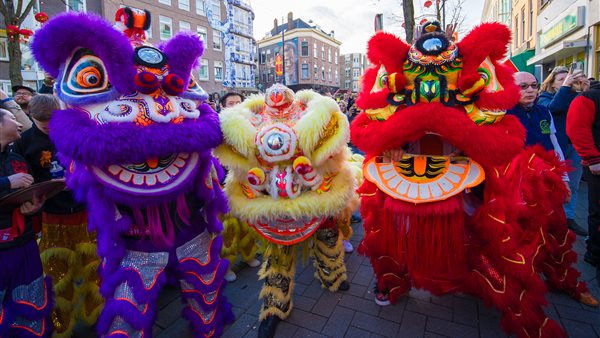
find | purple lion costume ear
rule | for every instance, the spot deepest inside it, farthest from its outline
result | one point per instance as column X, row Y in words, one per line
column 64, row 34
column 183, row 52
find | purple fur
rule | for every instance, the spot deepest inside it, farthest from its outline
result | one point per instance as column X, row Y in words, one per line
column 127, row 311
column 183, row 51
column 54, row 43
column 116, row 143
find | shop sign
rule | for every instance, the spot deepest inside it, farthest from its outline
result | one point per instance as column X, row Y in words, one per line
column 565, row 26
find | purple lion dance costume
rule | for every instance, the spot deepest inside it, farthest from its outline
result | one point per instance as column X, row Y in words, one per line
column 137, row 143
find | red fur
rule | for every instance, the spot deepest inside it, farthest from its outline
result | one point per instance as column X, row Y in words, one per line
column 368, row 100
column 388, row 49
column 486, row 40
column 478, row 142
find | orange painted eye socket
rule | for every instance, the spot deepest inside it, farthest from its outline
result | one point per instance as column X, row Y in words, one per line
column 89, row 77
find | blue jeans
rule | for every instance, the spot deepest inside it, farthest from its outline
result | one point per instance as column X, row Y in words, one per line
column 574, row 179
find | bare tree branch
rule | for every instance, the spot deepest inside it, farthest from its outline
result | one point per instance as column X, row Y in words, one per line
column 19, row 8
column 26, row 11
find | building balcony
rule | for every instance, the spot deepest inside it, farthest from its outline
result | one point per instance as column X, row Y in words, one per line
column 243, row 4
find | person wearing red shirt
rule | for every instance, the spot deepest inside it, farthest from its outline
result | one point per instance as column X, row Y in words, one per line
column 583, row 128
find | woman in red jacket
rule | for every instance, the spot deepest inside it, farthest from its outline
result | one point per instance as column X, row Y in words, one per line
column 583, row 128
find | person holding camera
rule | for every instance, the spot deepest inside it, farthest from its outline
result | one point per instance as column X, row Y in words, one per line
column 558, row 90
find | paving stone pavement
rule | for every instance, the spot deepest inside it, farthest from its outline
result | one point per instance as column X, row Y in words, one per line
column 318, row 313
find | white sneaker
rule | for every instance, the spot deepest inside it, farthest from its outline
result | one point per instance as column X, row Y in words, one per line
column 230, row 276
column 253, row 263
column 348, row 248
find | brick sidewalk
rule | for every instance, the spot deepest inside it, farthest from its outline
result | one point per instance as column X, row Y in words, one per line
column 318, row 313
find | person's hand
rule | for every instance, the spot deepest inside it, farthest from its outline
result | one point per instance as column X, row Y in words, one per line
column 572, row 77
column 20, row 180
column 595, row 169
column 3, row 94
column 212, row 105
column 29, row 208
column 568, row 197
column 394, row 155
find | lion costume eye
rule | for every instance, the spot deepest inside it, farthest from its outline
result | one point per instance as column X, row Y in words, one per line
column 381, row 82
column 85, row 74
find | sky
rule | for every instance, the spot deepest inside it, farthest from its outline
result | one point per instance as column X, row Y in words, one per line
column 351, row 20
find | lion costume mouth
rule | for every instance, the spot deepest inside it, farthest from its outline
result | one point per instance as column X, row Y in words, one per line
column 287, row 230
column 430, row 169
column 156, row 176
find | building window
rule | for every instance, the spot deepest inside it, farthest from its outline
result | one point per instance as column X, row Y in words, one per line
column 203, row 36
column 337, row 77
column 323, row 73
column 347, row 59
column 347, row 72
column 218, row 71
column 315, row 50
column 263, row 57
column 516, row 31
column 184, row 26
column 523, row 24
column 329, row 54
column 347, row 84
column 355, row 74
column 75, row 5
column 269, row 55
column 3, row 49
column 166, row 27
column 335, row 57
column 200, row 7
column 204, row 70
column 215, row 6
column 316, row 73
column 165, row 2
column 217, row 40
column 530, row 18
column 305, row 71
column 184, row 4
column 304, row 48
column 323, row 52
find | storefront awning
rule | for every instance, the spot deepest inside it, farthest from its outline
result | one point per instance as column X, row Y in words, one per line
column 520, row 61
column 558, row 51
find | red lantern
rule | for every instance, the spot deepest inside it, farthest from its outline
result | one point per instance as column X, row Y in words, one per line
column 41, row 17
column 423, row 21
column 12, row 30
column 428, row 3
column 26, row 32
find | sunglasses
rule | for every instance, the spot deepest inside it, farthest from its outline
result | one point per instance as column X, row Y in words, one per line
column 524, row 86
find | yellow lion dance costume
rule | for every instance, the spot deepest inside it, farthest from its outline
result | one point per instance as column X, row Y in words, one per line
column 290, row 179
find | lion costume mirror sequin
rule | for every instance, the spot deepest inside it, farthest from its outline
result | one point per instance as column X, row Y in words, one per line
column 462, row 207
column 137, row 139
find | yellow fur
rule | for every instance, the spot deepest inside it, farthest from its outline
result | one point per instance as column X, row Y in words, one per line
column 309, row 203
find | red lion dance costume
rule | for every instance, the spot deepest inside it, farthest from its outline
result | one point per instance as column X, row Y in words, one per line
column 441, row 106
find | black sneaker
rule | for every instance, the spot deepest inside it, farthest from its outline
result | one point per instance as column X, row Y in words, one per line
column 576, row 228
column 590, row 259
column 267, row 327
